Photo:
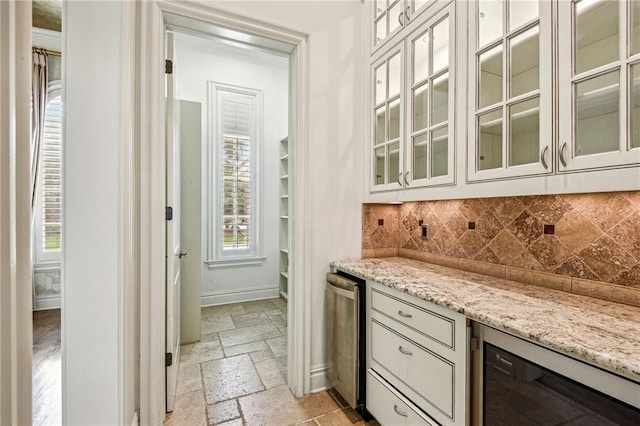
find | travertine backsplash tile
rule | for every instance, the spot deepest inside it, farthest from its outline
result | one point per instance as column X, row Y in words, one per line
column 595, row 237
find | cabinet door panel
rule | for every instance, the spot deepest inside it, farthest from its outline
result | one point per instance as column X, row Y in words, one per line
column 431, row 110
column 388, row 121
column 510, row 108
column 598, row 99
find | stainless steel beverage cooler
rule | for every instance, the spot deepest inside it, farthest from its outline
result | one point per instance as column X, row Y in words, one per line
column 346, row 338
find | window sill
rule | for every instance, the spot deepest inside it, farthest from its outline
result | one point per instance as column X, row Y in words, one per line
column 231, row 263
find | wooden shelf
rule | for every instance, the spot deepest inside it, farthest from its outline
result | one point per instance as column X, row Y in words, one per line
column 284, row 217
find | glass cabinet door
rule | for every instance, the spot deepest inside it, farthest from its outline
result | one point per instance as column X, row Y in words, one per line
column 389, row 16
column 430, row 148
column 388, row 113
column 510, row 105
column 599, row 91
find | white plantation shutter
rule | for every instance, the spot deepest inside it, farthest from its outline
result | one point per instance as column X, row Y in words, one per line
column 236, row 116
column 234, row 218
column 50, row 202
column 238, row 120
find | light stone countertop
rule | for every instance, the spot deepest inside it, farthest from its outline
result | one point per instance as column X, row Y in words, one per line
column 602, row 333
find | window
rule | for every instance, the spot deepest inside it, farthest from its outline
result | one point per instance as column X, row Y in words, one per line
column 234, row 216
column 48, row 229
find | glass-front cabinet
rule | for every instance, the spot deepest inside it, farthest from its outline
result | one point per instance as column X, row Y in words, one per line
column 599, row 84
column 391, row 16
column 510, row 96
column 413, row 135
column 388, row 116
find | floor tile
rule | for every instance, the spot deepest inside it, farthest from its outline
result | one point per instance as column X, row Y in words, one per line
column 281, row 304
column 248, row 334
column 335, row 418
column 234, row 308
column 216, row 323
column 283, row 367
column 269, row 374
column 194, row 353
column 236, row 422
column 259, row 306
column 223, row 411
column 189, row 410
column 245, row 348
column 230, row 378
column 262, row 355
column 277, row 406
column 277, row 318
column 246, row 320
column 209, row 337
column 189, row 378
column 278, row 345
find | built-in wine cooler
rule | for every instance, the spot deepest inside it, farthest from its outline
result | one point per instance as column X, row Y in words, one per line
column 525, row 384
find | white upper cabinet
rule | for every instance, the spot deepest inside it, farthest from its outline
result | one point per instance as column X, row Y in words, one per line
column 430, row 154
column 599, row 84
column 388, row 119
column 510, row 90
column 389, row 17
column 413, row 107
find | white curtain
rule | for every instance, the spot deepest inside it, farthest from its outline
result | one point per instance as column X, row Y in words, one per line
column 39, row 83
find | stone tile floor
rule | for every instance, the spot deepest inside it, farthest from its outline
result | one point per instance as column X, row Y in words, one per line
column 236, row 375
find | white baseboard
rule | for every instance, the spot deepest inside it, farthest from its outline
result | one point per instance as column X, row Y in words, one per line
column 46, row 303
column 214, row 298
column 318, row 379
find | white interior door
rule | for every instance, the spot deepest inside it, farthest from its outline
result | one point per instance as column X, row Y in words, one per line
column 173, row 231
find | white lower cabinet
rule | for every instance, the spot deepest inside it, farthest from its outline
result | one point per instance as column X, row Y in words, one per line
column 417, row 358
column 391, row 408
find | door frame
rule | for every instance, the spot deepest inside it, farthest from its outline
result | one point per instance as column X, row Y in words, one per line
column 150, row 79
column 15, row 214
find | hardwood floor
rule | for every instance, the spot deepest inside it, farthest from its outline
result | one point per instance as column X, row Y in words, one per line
column 47, row 373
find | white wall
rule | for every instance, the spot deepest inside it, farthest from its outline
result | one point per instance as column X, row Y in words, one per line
column 197, row 62
column 99, row 262
column 336, row 114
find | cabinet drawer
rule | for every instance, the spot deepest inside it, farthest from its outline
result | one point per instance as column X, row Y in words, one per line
column 434, row 326
column 427, row 374
column 388, row 407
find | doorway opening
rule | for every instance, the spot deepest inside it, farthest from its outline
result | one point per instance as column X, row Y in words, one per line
column 47, row 117
column 232, row 124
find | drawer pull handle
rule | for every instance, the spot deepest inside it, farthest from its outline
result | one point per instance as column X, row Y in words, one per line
column 402, row 314
column 404, row 351
column 398, row 412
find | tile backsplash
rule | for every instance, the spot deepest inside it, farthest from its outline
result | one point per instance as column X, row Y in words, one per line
column 590, row 236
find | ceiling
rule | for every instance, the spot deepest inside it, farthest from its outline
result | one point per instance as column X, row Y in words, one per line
column 47, row 14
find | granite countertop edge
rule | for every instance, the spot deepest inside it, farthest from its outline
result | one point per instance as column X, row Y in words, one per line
column 604, row 334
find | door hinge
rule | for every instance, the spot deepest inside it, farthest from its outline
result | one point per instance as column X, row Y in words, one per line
column 168, row 66
column 168, row 213
column 168, row 359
